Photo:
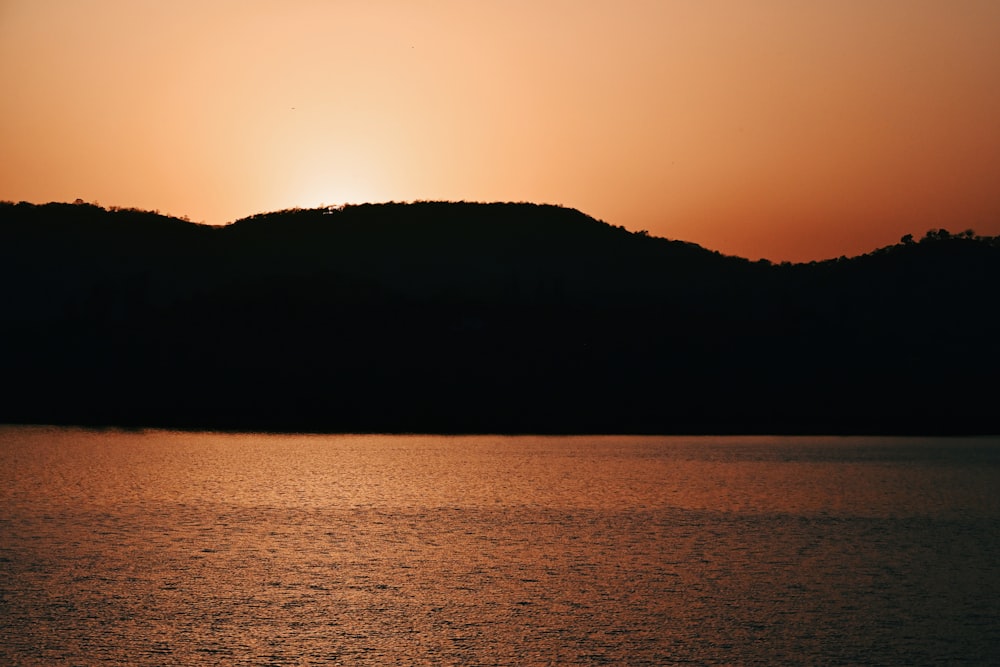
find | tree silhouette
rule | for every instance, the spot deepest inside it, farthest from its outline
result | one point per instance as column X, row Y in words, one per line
column 441, row 316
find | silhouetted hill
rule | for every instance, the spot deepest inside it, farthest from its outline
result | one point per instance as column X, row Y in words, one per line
column 481, row 317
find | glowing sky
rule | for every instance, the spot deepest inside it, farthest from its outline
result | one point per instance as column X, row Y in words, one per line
column 788, row 129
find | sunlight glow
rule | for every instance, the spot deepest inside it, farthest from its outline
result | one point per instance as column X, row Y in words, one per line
column 330, row 188
column 782, row 129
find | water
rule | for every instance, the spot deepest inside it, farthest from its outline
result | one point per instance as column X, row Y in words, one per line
column 163, row 548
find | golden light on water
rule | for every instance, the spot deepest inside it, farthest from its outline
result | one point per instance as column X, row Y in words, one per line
column 205, row 548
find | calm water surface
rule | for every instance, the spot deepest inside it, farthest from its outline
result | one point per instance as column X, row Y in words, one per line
column 164, row 548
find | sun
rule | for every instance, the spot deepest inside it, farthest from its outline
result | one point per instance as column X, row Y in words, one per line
column 323, row 180
column 332, row 192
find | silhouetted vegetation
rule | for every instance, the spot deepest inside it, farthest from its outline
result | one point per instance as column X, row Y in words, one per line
column 448, row 317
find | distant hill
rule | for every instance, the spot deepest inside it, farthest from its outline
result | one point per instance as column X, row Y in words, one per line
column 461, row 317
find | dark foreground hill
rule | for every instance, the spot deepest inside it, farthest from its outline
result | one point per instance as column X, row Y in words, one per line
column 445, row 317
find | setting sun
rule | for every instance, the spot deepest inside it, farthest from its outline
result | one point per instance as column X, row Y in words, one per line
column 328, row 183
column 774, row 129
column 499, row 332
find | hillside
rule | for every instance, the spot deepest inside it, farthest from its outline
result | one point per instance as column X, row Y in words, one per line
column 447, row 317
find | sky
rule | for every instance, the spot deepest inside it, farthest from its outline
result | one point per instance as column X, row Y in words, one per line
column 786, row 129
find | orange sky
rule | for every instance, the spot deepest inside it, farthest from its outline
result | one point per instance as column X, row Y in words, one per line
column 786, row 129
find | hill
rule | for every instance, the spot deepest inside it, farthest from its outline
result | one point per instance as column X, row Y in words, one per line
column 458, row 317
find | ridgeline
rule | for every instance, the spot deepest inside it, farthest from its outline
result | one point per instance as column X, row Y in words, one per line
column 457, row 317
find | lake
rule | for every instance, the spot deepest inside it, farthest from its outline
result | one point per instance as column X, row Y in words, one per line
column 167, row 548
